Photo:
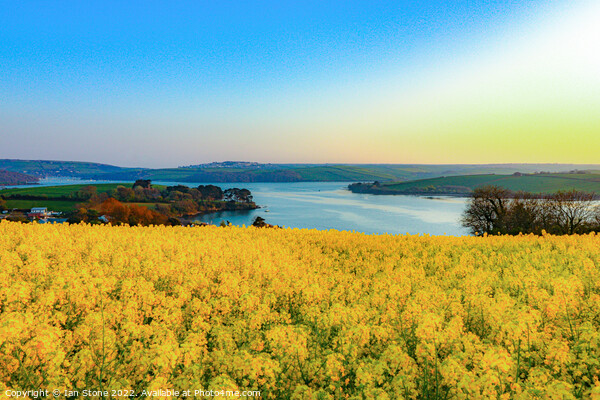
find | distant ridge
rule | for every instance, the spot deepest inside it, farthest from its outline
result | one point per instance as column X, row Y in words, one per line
column 249, row 171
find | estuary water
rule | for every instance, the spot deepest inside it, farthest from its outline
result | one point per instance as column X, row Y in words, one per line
column 329, row 205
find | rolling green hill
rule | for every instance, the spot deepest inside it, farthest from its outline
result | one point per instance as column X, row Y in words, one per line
column 464, row 184
column 256, row 172
column 59, row 191
column 44, row 168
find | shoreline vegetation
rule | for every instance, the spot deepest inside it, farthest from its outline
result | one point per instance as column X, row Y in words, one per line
column 140, row 204
column 538, row 184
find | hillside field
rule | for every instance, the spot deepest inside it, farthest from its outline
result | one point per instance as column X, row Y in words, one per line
column 64, row 206
column 464, row 184
column 55, row 198
column 61, row 190
column 299, row 314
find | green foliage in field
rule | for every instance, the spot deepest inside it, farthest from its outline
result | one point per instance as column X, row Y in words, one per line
column 65, row 190
column 343, row 173
column 53, row 205
column 534, row 183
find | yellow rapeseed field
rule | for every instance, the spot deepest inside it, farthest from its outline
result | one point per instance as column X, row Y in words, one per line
column 298, row 314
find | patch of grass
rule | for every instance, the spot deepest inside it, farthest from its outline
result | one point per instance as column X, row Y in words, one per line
column 342, row 173
column 52, row 205
column 534, row 183
column 65, row 190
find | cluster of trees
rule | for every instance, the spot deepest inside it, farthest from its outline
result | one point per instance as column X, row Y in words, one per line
column 208, row 192
column 142, row 192
column 115, row 212
column 260, row 222
column 137, row 194
column 185, row 200
column 495, row 210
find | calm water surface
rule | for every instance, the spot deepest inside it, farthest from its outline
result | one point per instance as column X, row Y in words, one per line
column 326, row 205
column 329, row 205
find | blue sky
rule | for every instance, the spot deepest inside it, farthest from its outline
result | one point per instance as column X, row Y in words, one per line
column 157, row 83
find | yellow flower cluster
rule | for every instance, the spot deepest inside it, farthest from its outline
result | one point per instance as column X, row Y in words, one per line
column 299, row 314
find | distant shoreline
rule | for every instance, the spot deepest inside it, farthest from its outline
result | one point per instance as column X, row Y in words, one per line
column 387, row 192
column 538, row 184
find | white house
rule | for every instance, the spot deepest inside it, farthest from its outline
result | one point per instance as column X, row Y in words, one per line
column 38, row 212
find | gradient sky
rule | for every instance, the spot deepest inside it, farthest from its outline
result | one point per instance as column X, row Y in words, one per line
column 169, row 83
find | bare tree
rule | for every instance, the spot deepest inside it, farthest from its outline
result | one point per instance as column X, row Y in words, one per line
column 574, row 211
column 524, row 214
column 486, row 211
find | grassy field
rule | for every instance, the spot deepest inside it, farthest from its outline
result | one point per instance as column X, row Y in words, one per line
column 52, row 205
column 343, row 173
column 65, row 190
column 54, row 192
column 59, row 191
column 299, row 314
column 536, row 183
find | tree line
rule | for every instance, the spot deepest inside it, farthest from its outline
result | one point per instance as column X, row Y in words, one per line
column 495, row 210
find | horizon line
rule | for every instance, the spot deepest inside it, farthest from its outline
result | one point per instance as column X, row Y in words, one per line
column 308, row 163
